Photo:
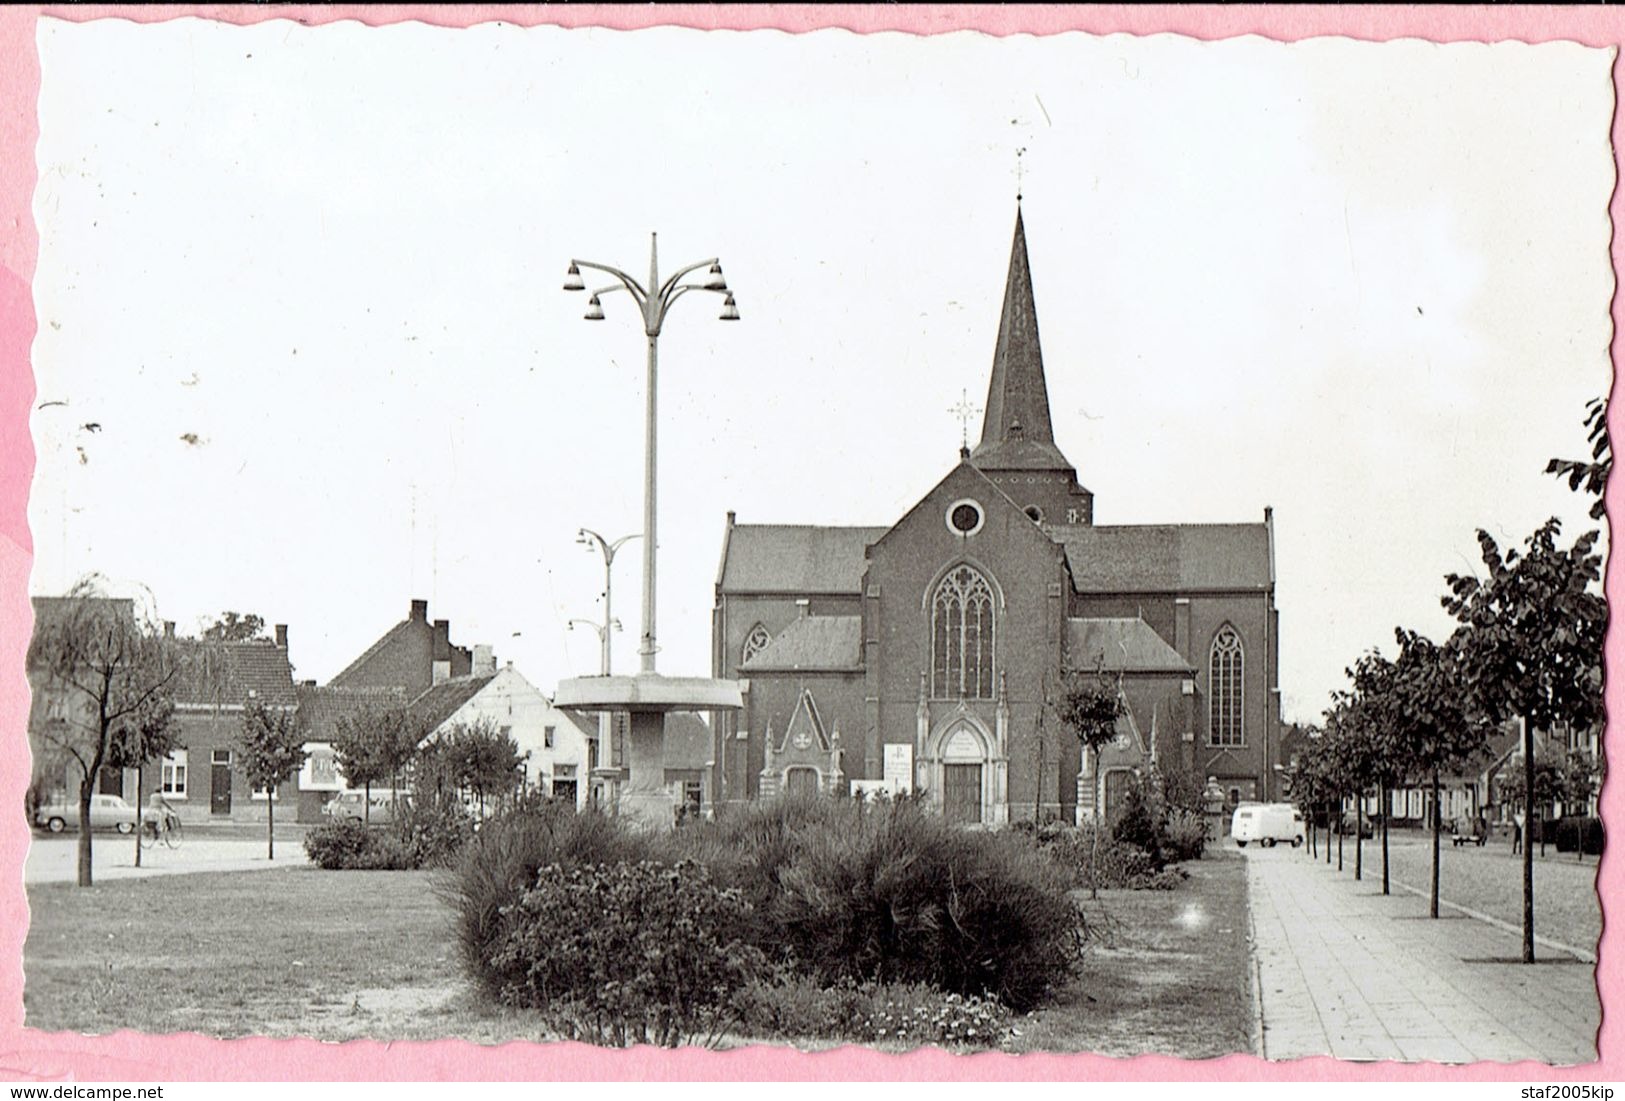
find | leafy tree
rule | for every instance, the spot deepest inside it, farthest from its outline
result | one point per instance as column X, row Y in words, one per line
column 1432, row 722
column 273, row 743
column 474, row 757
column 149, row 737
column 1090, row 706
column 232, row 627
column 1374, row 702
column 119, row 678
column 375, row 745
column 1592, row 476
column 1531, row 649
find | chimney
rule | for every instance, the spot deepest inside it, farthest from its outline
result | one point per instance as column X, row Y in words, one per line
column 442, row 640
column 169, row 628
column 282, row 636
column 485, row 661
column 803, row 607
column 419, row 612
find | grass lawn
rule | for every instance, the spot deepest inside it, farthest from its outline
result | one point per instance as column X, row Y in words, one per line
column 347, row 955
column 1174, row 976
column 296, row 952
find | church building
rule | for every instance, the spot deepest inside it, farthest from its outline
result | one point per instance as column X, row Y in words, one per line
column 923, row 653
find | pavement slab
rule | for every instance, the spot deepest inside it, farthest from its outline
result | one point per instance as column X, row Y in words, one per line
column 1345, row 971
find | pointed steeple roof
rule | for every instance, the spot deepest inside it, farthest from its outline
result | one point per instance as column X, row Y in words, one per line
column 1016, row 432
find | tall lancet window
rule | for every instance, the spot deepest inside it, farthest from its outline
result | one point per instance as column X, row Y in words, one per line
column 755, row 642
column 1224, row 668
column 962, row 636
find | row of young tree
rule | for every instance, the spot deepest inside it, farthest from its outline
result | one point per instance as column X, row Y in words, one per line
column 117, row 677
column 1528, row 650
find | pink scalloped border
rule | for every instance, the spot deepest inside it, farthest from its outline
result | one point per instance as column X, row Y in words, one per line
column 28, row 1054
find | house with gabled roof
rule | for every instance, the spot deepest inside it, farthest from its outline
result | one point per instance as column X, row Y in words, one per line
column 555, row 745
column 933, row 643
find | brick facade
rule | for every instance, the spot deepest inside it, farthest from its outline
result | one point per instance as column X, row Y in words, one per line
column 844, row 624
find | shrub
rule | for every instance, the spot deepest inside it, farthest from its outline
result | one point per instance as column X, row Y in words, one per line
column 501, row 862
column 1117, row 865
column 1140, row 823
column 792, row 1007
column 835, row 891
column 351, row 845
column 1574, row 831
column 892, row 893
column 628, row 953
column 1185, row 836
column 433, row 833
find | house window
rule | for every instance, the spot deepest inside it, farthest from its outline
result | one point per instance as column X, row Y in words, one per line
column 755, row 642
column 962, row 636
column 547, row 737
column 1224, row 668
column 173, row 779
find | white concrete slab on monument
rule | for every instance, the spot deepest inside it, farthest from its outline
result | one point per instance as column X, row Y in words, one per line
column 647, row 698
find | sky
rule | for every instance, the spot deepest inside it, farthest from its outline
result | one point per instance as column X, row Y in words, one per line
column 304, row 352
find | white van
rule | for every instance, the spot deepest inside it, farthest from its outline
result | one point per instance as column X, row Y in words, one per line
column 1267, row 823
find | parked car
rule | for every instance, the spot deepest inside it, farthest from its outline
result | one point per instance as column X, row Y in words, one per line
column 107, row 812
column 1348, row 826
column 353, row 806
column 1267, row 823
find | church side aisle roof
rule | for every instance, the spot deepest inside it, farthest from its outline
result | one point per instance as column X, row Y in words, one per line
column 796, row 559
column 815, row 642
column 1120, row 645
column 1167, row 558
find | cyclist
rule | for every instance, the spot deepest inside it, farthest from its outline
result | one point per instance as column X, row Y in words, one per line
column 160, row 815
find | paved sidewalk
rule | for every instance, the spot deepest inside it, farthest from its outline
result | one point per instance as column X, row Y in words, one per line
column 1346, row 972
column 55, row 859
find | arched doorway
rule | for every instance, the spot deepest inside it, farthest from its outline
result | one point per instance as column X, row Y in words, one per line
column 963, row 764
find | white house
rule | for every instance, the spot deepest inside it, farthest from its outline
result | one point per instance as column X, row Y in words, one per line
column 554, row 744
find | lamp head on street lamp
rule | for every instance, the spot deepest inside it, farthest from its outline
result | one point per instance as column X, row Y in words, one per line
column 595, row 312
column 573, row 280
column 714, row 281
column 730, row 312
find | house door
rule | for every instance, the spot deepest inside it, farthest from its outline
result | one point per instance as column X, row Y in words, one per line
column 220, row 782
column 962, row 793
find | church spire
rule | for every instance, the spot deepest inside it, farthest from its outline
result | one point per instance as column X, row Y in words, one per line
column 1016, row 432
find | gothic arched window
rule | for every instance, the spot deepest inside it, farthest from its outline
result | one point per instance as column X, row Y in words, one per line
column 1224, row 668
column 756, row 641
column 962, row 636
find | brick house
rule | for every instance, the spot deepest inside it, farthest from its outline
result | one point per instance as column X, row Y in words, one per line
column 926, row 649
column 203, row 776
column 412, row 656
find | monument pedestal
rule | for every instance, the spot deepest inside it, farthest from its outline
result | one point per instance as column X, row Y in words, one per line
column 648, row 698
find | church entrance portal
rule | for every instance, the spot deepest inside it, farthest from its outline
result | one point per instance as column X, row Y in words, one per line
column 962, row 793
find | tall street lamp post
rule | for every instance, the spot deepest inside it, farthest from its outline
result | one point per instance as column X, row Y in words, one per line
column 648, row 697
column 590, row 539
column 654, row 301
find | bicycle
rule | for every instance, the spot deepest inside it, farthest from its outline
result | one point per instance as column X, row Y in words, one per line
column 168, row 832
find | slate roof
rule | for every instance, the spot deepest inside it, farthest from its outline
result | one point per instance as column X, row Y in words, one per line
column 1016, row 432
column 1166, row 558
column 796, row 558
column 259, row 667
column 812, row 642
column 437, row 704
column 321, row 707
column 1123, row 645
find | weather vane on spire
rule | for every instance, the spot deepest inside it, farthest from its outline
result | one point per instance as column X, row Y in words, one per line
column 1021, row 150
column 966, row 412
